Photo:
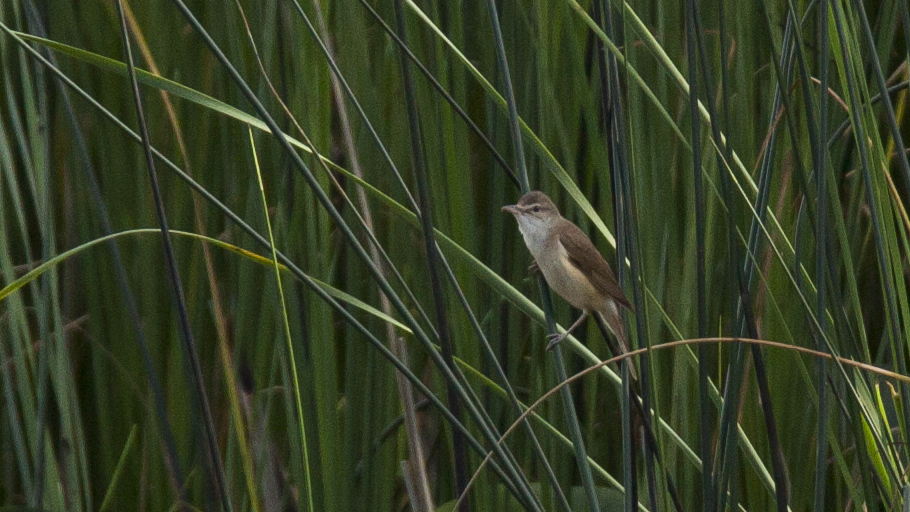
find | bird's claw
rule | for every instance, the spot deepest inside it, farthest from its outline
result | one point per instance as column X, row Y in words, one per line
column 533, row 268
column 555, row 339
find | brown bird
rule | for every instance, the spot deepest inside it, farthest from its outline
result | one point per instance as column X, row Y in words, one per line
column 571, row 264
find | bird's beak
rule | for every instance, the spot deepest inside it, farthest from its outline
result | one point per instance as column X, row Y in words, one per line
column 511, row 208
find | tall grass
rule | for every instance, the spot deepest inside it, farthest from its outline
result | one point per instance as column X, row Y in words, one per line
column 340, row 317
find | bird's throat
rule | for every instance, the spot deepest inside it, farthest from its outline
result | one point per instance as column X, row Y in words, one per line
column 535, row 235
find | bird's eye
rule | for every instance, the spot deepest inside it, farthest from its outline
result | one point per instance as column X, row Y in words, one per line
column 536, row 209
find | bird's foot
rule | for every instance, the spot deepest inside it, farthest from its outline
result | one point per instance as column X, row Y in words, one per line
column 555, row 339
column 533, row 268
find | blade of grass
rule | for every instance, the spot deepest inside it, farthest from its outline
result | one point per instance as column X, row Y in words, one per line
column 705, row 413
column 36, row 272
column 130, row 441
column 821, row 244
column 290, row 343
column 417, row 461
column 217, row 305
column 186, row 333
column 426, row 217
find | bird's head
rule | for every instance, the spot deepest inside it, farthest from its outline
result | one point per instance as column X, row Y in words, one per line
column 534, row 212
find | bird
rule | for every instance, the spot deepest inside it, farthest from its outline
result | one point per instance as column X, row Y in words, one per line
column 570, row 264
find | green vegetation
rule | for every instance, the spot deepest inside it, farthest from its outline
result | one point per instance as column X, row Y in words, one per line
column 304, row 339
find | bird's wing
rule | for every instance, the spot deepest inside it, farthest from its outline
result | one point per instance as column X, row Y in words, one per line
column 576, row 242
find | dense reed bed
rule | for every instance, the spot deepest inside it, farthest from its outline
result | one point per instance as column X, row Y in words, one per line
column 253, row 258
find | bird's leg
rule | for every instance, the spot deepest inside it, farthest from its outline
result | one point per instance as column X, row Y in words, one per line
column 533, row 268
column 556, row 337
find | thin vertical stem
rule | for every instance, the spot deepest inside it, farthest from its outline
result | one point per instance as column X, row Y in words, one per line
column 515, row 131
column 186, row 334
column 706, row 407
column 821, row 251
column 424, row 197
column 287, row 333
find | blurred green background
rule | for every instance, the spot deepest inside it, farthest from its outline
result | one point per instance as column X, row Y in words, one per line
column 794, row 230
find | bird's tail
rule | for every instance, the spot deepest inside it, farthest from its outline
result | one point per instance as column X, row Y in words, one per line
column 610, row 322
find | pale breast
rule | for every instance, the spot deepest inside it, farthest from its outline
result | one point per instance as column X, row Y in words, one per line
column 565, row 279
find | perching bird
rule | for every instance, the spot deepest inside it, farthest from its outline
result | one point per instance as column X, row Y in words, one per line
column 570, row 263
